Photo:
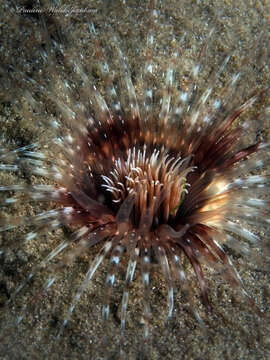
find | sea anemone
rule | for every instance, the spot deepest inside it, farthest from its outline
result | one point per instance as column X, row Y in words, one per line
column 149, row 179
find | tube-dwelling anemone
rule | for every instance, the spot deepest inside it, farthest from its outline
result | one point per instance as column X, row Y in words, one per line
column 149, row 187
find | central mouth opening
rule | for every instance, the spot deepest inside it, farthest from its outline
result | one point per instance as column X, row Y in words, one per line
column 158, row 183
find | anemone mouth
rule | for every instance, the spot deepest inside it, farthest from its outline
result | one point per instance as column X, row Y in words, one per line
column 158, row 183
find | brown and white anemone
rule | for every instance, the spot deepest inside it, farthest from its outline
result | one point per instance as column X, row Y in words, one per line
column 150, row 186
